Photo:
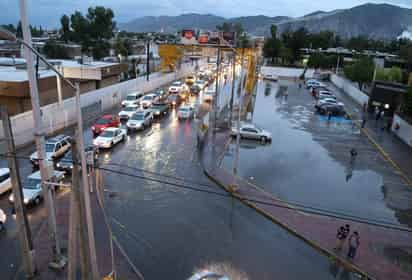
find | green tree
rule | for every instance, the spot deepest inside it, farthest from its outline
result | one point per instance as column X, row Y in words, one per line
column 395, row 74
column 272, row 45
column 286, row 55
column 320, row 60
column 361, row 71
column 295, row 41
column 123, row 47
column 406, row 107
column 65, row 32
column 9, row 27
column 53, row 50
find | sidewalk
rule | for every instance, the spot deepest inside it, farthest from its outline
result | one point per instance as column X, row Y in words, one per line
column 396, row 150
column 317, row 231
column 42, row 244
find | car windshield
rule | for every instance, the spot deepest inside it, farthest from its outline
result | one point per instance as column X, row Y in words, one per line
column 32, row 184
column 129, row 109
column 131, row 97
column 158, row 104
column 148, row 97
column 176, row 84
column 137, row 117
column 50, row 148
column 103, row 121
column 184, row 109
column 107, row 133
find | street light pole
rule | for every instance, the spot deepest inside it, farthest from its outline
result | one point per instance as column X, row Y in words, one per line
column 215, row 99
column 39, row 134
column 240, row 105
column 233, row 87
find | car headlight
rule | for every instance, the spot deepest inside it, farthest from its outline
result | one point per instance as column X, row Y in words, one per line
column 157, row 113
column 103, row 128
column 93, row 128
column 58, row 164
column 11, row 198
column 26, row 200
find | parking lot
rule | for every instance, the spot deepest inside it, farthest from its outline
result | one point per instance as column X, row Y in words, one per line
column 309, row 163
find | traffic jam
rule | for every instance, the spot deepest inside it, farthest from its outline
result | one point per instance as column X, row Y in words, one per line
column 138, row 112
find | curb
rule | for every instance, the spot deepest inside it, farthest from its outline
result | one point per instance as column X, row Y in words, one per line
column 311, row 243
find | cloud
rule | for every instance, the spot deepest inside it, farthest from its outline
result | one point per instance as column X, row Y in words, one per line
column 48, row 12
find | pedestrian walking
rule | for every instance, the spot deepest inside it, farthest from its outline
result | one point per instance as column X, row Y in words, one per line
column 363, row 120
column 354, row 243
column 340, row 238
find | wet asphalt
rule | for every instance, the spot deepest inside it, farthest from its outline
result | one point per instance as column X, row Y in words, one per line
column 170, row 231
column 308, row 162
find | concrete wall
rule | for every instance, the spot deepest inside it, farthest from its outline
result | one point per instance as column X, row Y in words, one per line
column 285, row 72
column 405, row 129
column 56, row 117
column 350, row 89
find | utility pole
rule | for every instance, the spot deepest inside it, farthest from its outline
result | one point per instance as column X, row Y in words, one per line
column 241, row 96
column 148, row 59
column 39, row 136
column 86, row 188
column 233, row 87
column 25, row 238
column 215, row 99
column 77, row 230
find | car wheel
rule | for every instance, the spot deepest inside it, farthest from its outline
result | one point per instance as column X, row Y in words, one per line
column 263, row 139
column 1, row 226
column 111, row 144
column 37, row 200
column 123, row 138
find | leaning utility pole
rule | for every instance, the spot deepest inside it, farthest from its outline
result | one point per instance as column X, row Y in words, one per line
column 23, row 228
column 39, row 136
column 85, row 191
column 77, row 230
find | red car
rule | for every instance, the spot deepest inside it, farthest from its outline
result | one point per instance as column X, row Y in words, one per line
column 105, row 122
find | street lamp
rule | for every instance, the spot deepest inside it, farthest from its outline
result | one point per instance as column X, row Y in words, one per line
column 40, row 142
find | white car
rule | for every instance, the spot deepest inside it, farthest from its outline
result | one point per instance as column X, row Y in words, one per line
column 326, row 92
column 127, row 112
column 333, row 101
column 185, row 112
column 314, row 84
column 110, row 137
column 140, row 120
column 323, row 96
column 3, row 219
column 32, row 190
column 132, row 99
column 148, row 100
column 251, row 131
column 5, row 182
column 177, row 87
column 55, row 147
column 209, row 94
column 270, row 77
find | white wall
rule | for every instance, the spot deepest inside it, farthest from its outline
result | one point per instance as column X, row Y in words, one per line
column 286, row 72
column 56, row 117
column 405, row 129
column 350, row 89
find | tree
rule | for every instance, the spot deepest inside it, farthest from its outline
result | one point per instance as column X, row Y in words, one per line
column 286, row 55
column 361, row 71
column 295, row 41
column 65, row 32
column 406, row 107
column 93, row 30
column 9, row 27
column 319, row 60
column 123, row 47
column 272, row 45
column 53, row 50
column 393, row 74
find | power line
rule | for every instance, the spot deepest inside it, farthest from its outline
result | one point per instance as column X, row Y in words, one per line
column 293, row 206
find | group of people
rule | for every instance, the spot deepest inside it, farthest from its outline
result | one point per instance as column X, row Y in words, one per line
column 344, row 234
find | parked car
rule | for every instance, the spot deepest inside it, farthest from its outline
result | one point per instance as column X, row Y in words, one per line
column 3, row 219
column 160, row 108
column 55, row 147
column 314, row 84
column 185, row 112
column 190, row 80
column 160, row 93
column 132, row 99
column 201, row 84
column 32, row 190
column 334, row 109
column 209, row 94
column 251, row 131
column 65, row 164
column 333, row 101
column 140, row 120
column 174, row 100
column 177, row 87
column 270, row 77
column 5, row 182
column 110, row 137
column 147, row 100
column 105, row 122
column 128, row 111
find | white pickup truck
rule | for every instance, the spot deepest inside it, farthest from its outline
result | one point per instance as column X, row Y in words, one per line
column 32, row 190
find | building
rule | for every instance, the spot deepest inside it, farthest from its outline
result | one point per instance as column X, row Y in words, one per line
column 14, row 85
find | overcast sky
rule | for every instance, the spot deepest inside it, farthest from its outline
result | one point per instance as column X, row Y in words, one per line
column 48, row 12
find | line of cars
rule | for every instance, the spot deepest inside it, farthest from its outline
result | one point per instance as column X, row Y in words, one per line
column 326, row 101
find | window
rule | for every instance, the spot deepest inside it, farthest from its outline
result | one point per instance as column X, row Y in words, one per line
column 58, row 146
column 4, row 177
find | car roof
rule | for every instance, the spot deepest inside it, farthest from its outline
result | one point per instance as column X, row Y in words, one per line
column 106, row 117
column 112, row 129
column 150, row 95
column 132, row 106
column 135, row 93
column 185, row 107
column 4, row 171
column 57, row 139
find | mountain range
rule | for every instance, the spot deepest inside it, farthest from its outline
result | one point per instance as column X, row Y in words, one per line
column 377, row 21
